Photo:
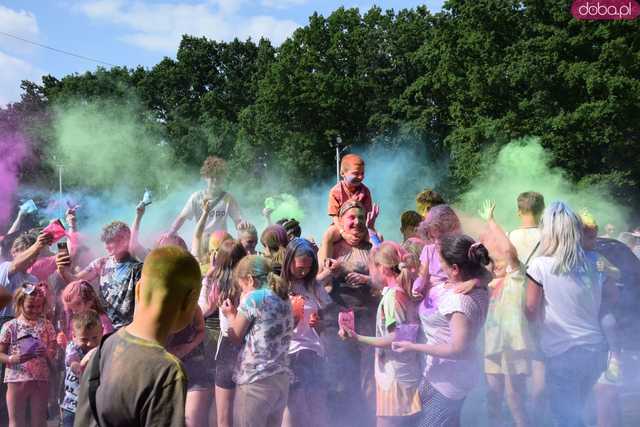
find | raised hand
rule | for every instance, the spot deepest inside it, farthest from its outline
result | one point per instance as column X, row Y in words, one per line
column 486, row 210
column 44, row 240
column 372, row 216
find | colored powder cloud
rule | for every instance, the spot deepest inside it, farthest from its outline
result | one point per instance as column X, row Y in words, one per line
column 284, row 206
column 13, row 151
column 524, row 165
column 103, row 145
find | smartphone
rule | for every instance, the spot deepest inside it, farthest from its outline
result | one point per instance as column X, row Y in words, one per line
column 62, row 247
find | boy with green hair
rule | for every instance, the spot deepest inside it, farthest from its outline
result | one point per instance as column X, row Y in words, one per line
column 132, row 379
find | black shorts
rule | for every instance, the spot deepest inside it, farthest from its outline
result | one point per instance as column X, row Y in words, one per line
column 225, row 363
column 195, row 364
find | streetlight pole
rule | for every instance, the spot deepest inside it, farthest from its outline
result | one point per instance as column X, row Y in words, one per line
column 338, row 142
column 60, row 207
column 339, row 149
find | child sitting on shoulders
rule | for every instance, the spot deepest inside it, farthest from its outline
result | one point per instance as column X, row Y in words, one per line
column 349, row 188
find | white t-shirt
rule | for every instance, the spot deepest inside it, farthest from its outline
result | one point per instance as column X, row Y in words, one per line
column 454, row 378
column 571, row 304
column 11, row 282
column 305, row 337
column 203, row 298
column 217, row 220
column 525, row 240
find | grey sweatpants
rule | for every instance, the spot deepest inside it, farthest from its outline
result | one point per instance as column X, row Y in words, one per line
column 261, row 403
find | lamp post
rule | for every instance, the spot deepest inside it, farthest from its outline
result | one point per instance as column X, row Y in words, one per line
column 337, row 144
column 60, row 207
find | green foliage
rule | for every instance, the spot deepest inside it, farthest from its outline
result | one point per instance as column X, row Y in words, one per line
column 462, row 83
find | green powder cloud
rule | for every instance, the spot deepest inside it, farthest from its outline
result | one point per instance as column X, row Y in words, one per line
column 524, row 165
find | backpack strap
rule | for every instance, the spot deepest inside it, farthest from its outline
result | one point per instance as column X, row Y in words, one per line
column 535, row 249
column 94, row 378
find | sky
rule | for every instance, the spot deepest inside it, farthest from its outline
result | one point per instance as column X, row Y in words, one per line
column 141, row 32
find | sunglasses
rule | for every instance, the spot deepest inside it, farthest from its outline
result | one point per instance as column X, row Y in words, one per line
column 31, row 288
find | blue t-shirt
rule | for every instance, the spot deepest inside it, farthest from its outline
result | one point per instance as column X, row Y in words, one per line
column 266, row 344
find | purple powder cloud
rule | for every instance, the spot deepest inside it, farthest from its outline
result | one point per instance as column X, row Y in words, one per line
column 13, row 151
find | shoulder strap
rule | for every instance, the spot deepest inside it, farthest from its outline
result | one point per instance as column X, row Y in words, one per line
column 217, row 199
column 531, row 255
column 94, row 379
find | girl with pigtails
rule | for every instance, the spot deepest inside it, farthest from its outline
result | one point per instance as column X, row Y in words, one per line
column 397, row 375
column 451, row 327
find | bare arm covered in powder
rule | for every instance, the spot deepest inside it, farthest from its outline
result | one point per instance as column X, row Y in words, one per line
column 532, row 300
column 380, row 342
column 25, row 259
column 422, row 284
column 17, row 223
column 135, row 248
column 496, row 240
column 196, row 243
column 63, row 261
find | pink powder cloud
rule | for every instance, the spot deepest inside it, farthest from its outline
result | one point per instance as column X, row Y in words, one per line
column 13, row 151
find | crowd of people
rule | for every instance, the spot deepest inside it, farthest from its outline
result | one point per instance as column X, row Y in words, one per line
column 358, row 331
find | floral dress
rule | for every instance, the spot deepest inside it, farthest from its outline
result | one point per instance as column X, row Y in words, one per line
column 22, row 336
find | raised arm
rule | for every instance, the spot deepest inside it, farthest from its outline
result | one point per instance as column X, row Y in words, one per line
column 63, row 262
column 72, row 231
column 422, row 284
column 495, row 239
column 25, row 259
column 135, row 248
column 17, row 223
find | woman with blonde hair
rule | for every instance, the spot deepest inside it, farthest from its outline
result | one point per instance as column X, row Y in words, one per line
column 565, row 293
